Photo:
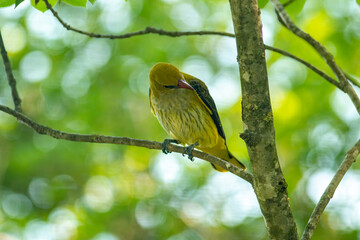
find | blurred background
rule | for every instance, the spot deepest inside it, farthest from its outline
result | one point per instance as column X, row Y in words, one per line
column 54, row 189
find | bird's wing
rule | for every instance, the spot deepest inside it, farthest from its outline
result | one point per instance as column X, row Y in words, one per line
column 204, row 95
column 151, row 106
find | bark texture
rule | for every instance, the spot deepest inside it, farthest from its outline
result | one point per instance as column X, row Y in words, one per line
column 259, row 134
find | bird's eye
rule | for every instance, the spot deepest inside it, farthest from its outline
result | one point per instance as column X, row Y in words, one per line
column 170, row 86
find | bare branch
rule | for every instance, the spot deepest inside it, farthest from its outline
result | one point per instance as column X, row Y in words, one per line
column 147, row 30
column 288, row 3
column 353, row 80
column 10, row 76
column 329, row 58
column 350, row 158
column 44, row 130
column 152, row 30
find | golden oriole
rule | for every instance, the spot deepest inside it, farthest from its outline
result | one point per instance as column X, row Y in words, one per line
column 185, row 109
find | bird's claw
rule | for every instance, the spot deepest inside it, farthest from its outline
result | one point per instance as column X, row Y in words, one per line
column 188, row 150
column 165, row 143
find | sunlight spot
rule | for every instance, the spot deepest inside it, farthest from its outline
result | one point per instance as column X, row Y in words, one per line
column 64, row 223
column 41, row 193
column 43, row 25
column 166, row 169
column 343, row 107
column 198, row 67
column 75, row 82
column 148, row 215
column 99, row 194
column 35, row 66
column 14, row 37
column 40, row 230
column 16, row 205
column 185, row 16
column 225, row 89
column 115, row 16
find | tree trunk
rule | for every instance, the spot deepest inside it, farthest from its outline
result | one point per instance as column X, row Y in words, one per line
column 259, row 134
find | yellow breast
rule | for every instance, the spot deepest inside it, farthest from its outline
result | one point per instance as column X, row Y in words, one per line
column 184, row 118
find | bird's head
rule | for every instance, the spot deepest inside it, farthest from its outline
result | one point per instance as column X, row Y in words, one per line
column 167, row 76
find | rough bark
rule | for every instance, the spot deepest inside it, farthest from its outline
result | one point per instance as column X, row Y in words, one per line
column 259, row 134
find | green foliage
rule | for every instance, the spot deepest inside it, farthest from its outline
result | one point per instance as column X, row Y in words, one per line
column 100, row 86
column 17, row 2
column 81, row 3
column 6, row 3
column 41, row 5
column 262, row 3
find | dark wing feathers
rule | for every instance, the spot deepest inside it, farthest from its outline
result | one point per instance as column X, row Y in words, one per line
column 203, row 92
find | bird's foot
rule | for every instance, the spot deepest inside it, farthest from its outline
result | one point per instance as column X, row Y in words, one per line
column 165, row 143
column 189, row 150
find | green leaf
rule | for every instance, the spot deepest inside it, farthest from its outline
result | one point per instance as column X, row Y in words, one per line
column 41, row 5
column 358, row 2
column 92, row 1
column 6, row 3
column 294, row 7
column 17, row 2
column 262, row 3
column 80, row 3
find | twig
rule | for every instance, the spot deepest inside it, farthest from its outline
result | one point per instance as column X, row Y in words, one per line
column 310, row 66
column 10, row 76
column 152, row 30
column 329, row 58
column 353, row 80
column 350, row 158
column 44, row 130
column 147, row 30
column 288, row 3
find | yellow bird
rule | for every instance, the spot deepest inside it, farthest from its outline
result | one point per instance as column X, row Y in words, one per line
column 185, row 109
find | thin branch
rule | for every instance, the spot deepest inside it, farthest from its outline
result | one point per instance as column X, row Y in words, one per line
column 152, row 30
column 10, row 76
column 353, row 80
column 329, row 58
column 147, row 30
column 288, row 3
column 310, row 66
column 350, row 158
column 44, row 130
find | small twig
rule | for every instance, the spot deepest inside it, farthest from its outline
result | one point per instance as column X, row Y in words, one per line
column 288, row 3
column 44, row 130
column 313, row 68
column 147, row 30
column 353, row 80
column 329, row 58
column 350, row 158
column 152, row 30
column 10, row 76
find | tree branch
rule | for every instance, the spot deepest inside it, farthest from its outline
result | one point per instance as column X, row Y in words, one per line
column 309, row 65
column 147, row 30
column 152, row 30
column 329, row 58
column 350, row 158
column 10, row 76
column 259, row 133
column 44, row 130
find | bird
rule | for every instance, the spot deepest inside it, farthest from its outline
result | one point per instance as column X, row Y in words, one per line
column 185, row 109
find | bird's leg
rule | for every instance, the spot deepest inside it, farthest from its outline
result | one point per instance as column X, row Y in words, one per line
column 189, row 150
column 165, row 143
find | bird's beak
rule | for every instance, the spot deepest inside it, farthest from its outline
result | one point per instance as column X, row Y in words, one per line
column 183, row 84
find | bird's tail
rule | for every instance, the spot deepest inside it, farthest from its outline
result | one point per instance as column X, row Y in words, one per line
column 223, row 153
column 231, row 159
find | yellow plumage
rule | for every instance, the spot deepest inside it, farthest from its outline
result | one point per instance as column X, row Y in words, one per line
column 186, row 111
